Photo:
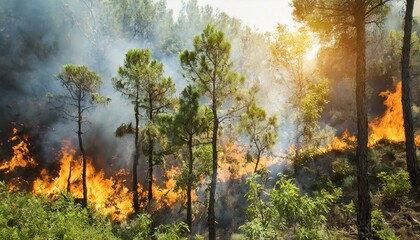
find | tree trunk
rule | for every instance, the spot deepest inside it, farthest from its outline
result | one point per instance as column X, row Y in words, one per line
column 150, row 152
column 363, row 203
column 189, row 187
column 136, row 159
column 211, row 214
column 68, row 179
column 410, row 146
column 82, row 150
column 150, row 179
column 258, row 161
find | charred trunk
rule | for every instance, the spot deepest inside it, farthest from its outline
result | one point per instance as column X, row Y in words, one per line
column 82, row 150
column 68, row 179
column 136, row 160
column 363, row 202
column 410, row 146
column 150, row 152
column 189, row 187
column 150, row 179
column 211, row 209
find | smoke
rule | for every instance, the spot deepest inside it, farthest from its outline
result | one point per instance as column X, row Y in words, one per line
column 37, row 37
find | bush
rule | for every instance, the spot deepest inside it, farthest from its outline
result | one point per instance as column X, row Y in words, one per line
column 24, row 216
column 273, row 211
column 303, row 159
column 138, row 228
column 171, row 232
column 395, row 186
column 380, row 228
column 350, row 182
column 256, row 229
column 341, row 168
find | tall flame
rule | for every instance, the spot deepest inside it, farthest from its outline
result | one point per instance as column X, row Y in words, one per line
column 108, row 195
column 21, row 156
column 389, row 126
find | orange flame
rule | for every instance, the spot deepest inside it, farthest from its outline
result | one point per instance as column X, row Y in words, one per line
column 233, row 164
column 165, row 194
column 21, row 156
column 389, row 126
column 109, row 196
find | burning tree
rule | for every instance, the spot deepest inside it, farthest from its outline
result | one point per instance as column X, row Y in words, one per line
column 81, row 94
column 141, row 80
column 210, row 67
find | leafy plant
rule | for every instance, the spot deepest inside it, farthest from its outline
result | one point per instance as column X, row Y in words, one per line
column 380, row 228
column 273, row 211
column 341, row 168
column 395, row 186
column 25, row 216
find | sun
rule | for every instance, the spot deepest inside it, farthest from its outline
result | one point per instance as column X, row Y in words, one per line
column 312, row 52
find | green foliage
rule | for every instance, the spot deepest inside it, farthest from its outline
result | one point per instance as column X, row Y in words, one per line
column 141, row 80
column 290, row 48
column 334, row 17
column 272, row 212
column 255, row 229
column 297, row 209
column 171, row 232
column 380, row 228
column 261, row 130
column 311, row 105
column 209, row 66
column 80, row 78
column 341, row 168
column 395, row 186
column 349, row 182
column 25, row 216
column 138, row 228
column 303, row 158
column 81, row 87
column 191, row 121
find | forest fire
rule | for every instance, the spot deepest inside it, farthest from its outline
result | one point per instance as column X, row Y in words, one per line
column 21, row 156
column 111, row 196
column 233, row 164
column 108, row 195
column 389, row 126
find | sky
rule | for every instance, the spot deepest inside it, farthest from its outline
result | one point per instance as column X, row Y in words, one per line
column 260, row 14
column 263, row 15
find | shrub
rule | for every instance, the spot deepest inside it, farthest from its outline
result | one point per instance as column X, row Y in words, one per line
column 350, row 182
column 24, row 216
column 304, row 158
column 380, row 228
column 255, row 229
column 395, row 186
column 341, row 168
column 273, row 211
column 171, row 232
